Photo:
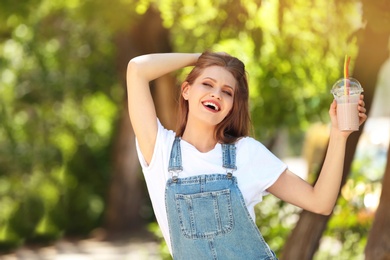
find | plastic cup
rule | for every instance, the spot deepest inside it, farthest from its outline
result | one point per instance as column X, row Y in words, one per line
column 347, row 94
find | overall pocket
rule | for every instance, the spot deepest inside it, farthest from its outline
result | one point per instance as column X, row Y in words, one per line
column 206, row 214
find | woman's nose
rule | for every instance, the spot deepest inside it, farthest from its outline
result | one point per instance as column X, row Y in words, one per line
column 216, row 93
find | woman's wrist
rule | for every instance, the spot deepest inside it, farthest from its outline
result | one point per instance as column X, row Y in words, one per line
column 196, row 57
column 336, row 134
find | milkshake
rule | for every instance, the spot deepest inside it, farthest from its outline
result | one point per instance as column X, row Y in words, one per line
column 347, row 94
column 348, row 118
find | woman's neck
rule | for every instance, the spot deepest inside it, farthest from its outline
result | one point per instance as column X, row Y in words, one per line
column 202, row 139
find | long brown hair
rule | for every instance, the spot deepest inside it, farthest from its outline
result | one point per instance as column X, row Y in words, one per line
column 236, row 123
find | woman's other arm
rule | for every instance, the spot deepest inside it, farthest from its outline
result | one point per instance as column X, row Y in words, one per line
column 322, row 197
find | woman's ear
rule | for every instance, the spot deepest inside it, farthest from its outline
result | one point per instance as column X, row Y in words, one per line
column 185, row 89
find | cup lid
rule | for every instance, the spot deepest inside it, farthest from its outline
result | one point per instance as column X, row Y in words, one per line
column 352, row 87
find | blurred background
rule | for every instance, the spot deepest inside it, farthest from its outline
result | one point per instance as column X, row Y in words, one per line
column 68, row 169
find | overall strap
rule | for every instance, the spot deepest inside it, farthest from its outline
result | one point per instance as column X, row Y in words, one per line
column 229, row 158
column 175, row 158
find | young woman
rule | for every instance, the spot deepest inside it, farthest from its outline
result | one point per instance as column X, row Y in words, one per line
column 205, row 179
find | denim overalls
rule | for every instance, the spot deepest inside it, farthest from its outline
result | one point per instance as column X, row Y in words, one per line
column 207, row 215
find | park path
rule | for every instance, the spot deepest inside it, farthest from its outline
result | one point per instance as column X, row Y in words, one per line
column 132, row 248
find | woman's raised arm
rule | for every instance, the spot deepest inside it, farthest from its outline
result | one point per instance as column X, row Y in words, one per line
column 140, row 71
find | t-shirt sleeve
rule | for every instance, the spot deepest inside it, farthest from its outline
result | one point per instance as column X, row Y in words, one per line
column 264, row 167
column 164, row 140
column 274, row 167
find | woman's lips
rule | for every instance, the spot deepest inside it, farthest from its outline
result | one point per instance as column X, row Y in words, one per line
column 212, row 105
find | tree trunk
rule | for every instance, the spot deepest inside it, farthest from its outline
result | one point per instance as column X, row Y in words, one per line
column 304, row 239
column 378, row 244
column 127, row 193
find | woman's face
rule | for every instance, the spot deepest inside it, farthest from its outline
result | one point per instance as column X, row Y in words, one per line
column 211, row 96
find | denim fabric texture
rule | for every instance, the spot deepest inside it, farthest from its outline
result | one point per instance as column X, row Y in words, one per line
column 207, row 215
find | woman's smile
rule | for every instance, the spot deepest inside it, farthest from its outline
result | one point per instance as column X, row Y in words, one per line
column 211, row 105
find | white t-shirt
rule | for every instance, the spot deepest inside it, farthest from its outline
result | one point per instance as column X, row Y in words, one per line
column 257, row 169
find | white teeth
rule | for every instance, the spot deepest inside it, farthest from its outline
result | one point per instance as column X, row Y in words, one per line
column 210, row 104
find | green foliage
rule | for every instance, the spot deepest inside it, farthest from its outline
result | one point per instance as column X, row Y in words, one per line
column 275, row 220
column 58, row 110
column 346, row 234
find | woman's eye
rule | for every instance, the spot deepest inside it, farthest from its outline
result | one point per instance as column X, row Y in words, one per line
column 227, row 92
column 207, row 84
